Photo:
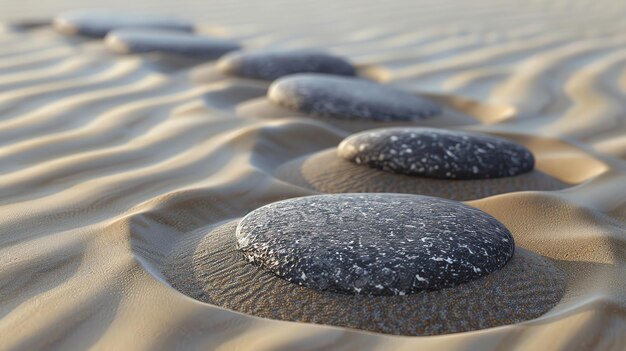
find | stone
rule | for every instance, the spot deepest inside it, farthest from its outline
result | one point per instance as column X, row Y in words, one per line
column 271, row 65
column 98, row 23
column 169, row 42
column 437, row 153
column 349, row 99
column 326, row 172
column 374, row 244
column 208, row 267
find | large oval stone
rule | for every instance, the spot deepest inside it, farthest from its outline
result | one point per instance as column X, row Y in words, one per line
column 97, row 23
column 271, row 65
column 169, row 42
column 349, row 99
column 437, row 153
column 374, row 244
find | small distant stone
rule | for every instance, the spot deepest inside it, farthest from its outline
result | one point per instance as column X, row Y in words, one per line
column 169, row 42
column 437, row 153
column 374, row 244
column 271, row 65
column 349, row 99
column 29, row 24
column 98, row 23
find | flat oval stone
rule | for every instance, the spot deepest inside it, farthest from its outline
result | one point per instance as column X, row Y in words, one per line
column 437, row 153
column 349, row 99
column 170, row 42
column 271, row 65
column 97, row 23
column 374, row 244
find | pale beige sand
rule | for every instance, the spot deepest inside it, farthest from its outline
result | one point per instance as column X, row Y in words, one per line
column 109, row 163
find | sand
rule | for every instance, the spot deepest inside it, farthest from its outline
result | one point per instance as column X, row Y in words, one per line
column 111, row 163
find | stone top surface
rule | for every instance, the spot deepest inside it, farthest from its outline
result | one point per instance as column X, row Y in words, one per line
column 349, row 99
column 437, row 153
column 141, row 40
column 374, row 244
column 97, row 23
column 271, row 65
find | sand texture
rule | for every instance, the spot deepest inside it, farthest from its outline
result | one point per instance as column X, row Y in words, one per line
column 121, row 173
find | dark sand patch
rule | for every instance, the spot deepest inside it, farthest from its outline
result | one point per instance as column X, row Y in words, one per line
column 210, row 268
column 327, row 172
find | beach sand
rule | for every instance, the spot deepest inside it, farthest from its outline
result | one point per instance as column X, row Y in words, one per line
column 116, row 167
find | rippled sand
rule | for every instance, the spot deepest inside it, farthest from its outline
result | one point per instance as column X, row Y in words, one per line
column 110, row 162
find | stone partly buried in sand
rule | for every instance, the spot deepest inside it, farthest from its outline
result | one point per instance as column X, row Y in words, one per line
column 97, row 23
column 168, row 42
column 437, row 153
column 326, row 172
column 271, row 65
column 209, row 267
column 374, row 244
column 349, row 99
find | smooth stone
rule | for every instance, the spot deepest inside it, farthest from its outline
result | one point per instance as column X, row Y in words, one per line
column 437, row 153
column 271, row 65
column 328, row 173
column 208, row 267
column 374, row 244
column 29, row 24
column 98, row 23
column 349, row 99
column 169, row 42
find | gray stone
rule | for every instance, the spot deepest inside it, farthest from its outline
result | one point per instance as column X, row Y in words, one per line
column 97, row 23
column 374, row 244
column 349, row 98
column 169, row 42
column 437, row 153
column 271, row 65
column 208, row 267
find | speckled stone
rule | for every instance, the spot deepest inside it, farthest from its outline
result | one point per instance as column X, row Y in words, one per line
column 170, row 42
column 271, row 65
column 207, row 266
column 97, row 23
column 437, row 153
column 326, row 172
column 374, row 244
column 349, row 99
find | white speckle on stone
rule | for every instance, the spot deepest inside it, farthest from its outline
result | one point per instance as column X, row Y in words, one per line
column 417, row 276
